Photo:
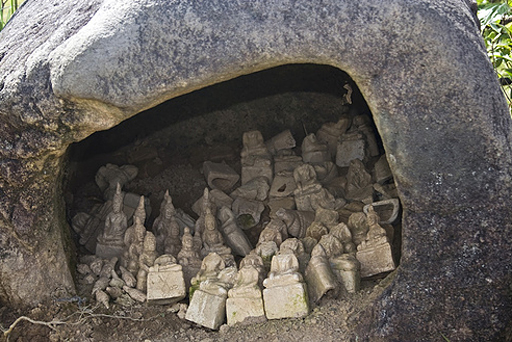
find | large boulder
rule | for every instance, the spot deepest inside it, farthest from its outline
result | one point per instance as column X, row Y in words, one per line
column 69, row 69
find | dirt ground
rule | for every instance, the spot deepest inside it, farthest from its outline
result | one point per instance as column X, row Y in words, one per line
column 330, row 320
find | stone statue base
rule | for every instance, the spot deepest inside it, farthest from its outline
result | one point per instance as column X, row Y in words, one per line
column 376, row 259
column 352, row 147
column 165, row 287
column 286, row 301
column 105, row 251
column 238, row 309
column 207, row 310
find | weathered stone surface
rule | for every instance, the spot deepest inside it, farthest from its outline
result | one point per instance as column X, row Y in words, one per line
column 286, row 301
column 207, row 309
column 165, row 286
column 238, row 309
column 375, row 259
column 87, row 65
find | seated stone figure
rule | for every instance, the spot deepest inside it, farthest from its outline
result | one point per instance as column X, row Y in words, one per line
column 253, row 259
column 285, row 293
column 220, row 285
column 213, row 242
column 146, row 260
column 268, row 245
column 374, row 253
column 245, row 298
column 209, row 292
column 343, row 261
column 310, row 195
column 295, row 246
column 188, row 255
column 246, row 283
column 166, row 228
column 283, row 271
column 256, row 159
column 358, row 226
column 210, row 268
column 376, row 234
column 111, row 242
column 116, row 222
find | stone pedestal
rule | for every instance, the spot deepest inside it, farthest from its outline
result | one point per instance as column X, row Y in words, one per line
column 238, row 309
column 350, row 147
column 286, row 163
column 286, row 301
column 165, row 286
column 109, row 251
column 375, row 259
column 207, row 309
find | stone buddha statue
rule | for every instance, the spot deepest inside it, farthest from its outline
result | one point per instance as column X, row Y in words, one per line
column 116, row 222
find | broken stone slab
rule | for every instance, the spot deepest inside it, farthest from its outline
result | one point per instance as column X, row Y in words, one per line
column 351, row 146
column 289, row 301
column 220, row 175
column 207, row 309
column 375, row 259
column 283, row 185
column 166, row 284
column 286, row 163
column 240, row 309
column 387, row 210
column 255, row 189
column 282, row 141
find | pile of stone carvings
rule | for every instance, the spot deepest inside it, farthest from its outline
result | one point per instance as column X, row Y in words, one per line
column 329, row 225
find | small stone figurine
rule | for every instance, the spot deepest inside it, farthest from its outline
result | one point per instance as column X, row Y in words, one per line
column 146, row 260
column 285, row 293
column 375, row 252
column 111, row 242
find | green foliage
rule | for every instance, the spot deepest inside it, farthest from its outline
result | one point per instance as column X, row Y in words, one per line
column 7, row 10
column 496, row 22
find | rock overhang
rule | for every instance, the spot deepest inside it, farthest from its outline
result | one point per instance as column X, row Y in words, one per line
column 421, row 67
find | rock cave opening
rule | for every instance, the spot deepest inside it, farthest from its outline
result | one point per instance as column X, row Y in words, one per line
column 305, row 114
